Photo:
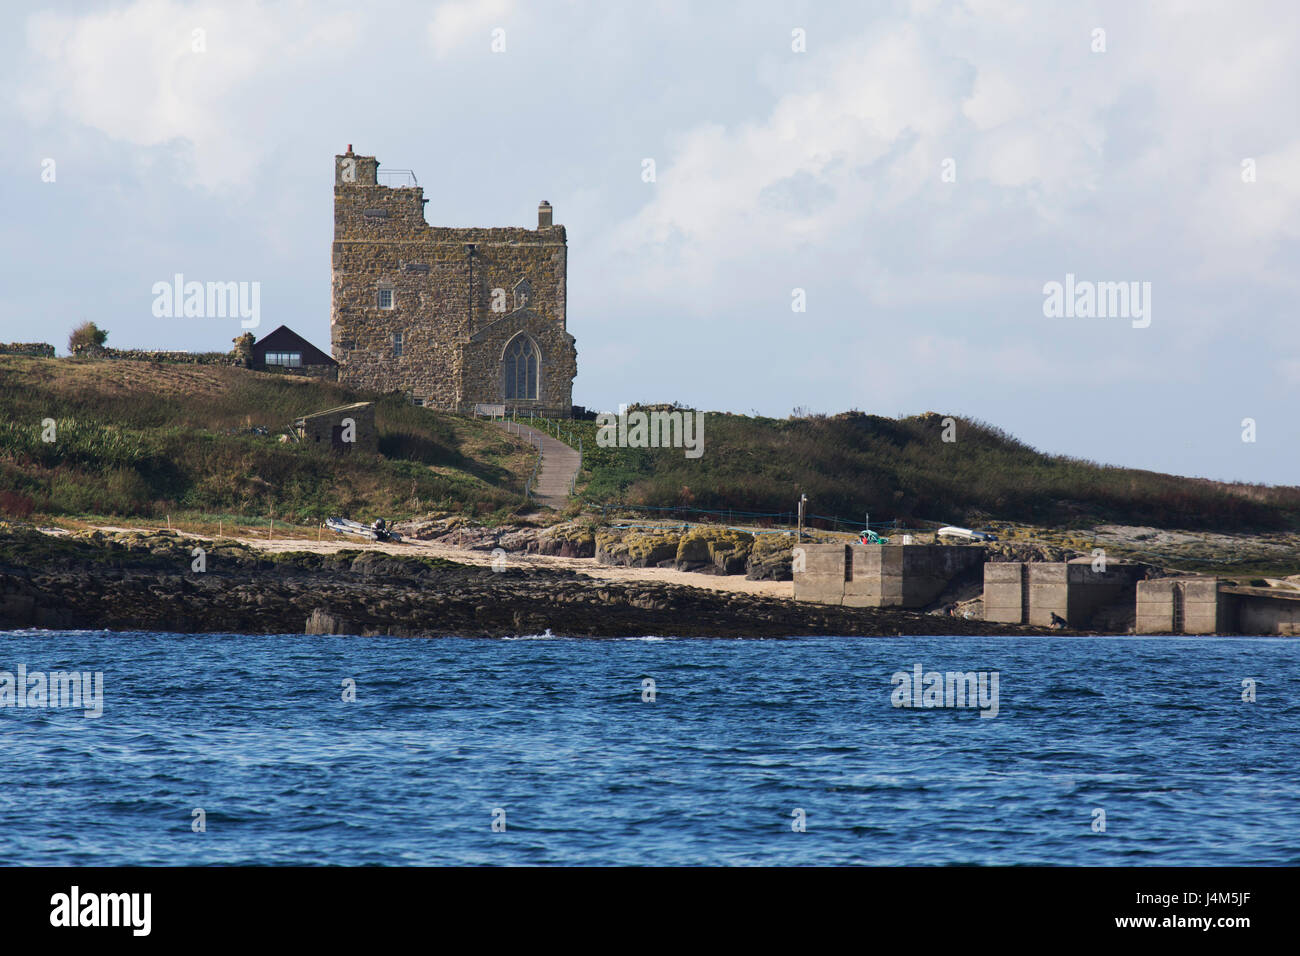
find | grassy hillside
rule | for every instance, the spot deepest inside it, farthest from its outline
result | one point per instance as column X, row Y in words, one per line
column 851, row 463
column 139, row 438
column 148, row 439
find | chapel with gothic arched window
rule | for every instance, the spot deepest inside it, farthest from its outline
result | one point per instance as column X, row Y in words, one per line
column 453, row 317
column 521, row 366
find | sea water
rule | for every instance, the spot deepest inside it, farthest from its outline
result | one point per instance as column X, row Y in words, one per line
column 289, row 749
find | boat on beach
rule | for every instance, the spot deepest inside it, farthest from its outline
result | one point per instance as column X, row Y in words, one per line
column 378, row 531
column 951, row 531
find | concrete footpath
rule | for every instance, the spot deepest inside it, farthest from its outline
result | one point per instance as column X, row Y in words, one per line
column 559, row 466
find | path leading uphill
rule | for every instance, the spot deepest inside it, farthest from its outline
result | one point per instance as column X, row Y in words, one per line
column 559, row 466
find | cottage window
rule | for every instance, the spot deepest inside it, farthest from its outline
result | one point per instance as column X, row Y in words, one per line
column 288, row 359
column 397, row 345
column 384, row 299
column 522, row 369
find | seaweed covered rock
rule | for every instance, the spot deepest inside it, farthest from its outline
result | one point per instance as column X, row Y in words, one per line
column 434, row 526
column 637, row 547
column 568, row 540
column 461, row 532
column 1010, row 551
column 771, row 558
column 714, row 550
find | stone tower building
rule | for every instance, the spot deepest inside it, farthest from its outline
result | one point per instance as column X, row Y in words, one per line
column 453, row 317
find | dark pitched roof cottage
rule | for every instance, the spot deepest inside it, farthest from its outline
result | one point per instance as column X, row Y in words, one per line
column 285, row 348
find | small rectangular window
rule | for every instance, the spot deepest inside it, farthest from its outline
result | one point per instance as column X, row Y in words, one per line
column 385, row 299
column 290, row 359
column 397, row 344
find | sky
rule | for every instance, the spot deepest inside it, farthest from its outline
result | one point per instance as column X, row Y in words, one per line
column 825, row 206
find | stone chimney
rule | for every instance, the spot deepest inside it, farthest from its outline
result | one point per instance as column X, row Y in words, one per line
column 353, row 170
column 543, row 215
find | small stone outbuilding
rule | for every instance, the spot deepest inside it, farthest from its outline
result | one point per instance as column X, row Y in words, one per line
column 346, row 429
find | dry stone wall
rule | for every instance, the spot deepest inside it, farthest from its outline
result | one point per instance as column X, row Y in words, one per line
column 30, row 349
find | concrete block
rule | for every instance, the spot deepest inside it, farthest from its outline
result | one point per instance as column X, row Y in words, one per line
column 1159, row 603
column 822, row 579
column 881, row 575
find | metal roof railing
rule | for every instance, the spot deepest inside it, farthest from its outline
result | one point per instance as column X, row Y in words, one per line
column 407, row 177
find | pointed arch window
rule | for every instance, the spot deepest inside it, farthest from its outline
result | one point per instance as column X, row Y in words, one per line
column 523, row 367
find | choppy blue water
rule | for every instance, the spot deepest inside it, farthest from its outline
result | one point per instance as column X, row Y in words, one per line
column 254, row 731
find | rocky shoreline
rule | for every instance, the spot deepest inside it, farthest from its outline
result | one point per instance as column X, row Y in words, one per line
column 148, row 582
column 701, row 549
column 704, row 550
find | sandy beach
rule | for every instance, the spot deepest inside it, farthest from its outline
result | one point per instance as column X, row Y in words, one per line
column 588, row 567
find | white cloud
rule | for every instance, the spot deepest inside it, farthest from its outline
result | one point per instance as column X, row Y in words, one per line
column 1289, row 370
column 996, row 99
column 462, row 23
column 721, row 191
column 134, row 74
column 1056, row 147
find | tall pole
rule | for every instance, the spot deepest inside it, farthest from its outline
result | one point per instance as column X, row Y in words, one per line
column 802, row 500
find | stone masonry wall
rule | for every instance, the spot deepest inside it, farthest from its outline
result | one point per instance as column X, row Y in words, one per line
column 318, row 428
column 154, row 355
column 30, row 349
column 452, row 340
